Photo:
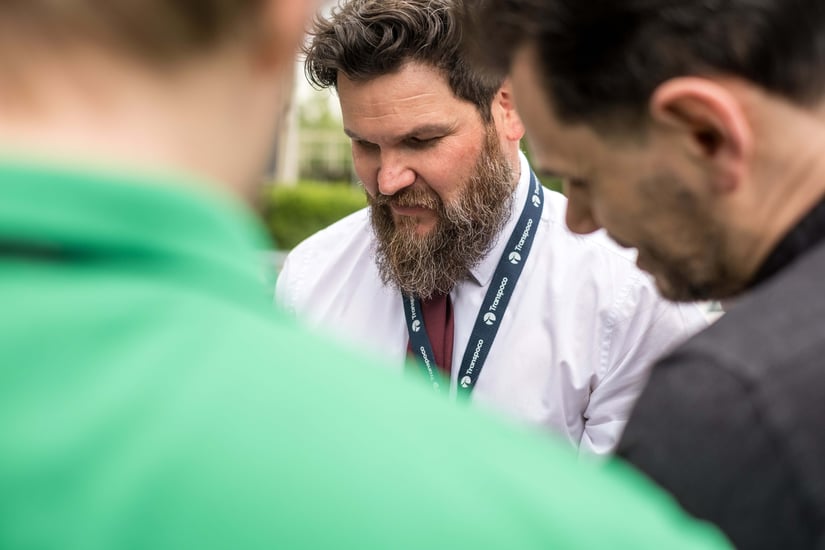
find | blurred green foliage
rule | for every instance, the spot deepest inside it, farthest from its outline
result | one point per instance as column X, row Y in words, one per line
column 293, row 213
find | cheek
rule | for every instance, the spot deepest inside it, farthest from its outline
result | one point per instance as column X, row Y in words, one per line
column 447, row 172
column 366, row 171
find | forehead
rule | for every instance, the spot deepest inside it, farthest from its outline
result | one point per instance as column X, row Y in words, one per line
column 557, row 147
column 416, row 94
column 566, row 149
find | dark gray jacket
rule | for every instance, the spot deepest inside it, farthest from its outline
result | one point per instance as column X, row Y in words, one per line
column 733, row 422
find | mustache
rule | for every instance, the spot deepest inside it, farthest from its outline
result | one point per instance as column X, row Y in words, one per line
column 408, row 197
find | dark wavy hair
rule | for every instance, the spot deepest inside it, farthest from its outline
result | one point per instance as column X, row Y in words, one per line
column 364, row 39
column 600, row 60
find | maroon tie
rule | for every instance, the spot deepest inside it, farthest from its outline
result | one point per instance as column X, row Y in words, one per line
column 438, row 321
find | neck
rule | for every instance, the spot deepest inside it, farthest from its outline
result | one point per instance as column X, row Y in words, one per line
column 787, row 176
column 101, row 110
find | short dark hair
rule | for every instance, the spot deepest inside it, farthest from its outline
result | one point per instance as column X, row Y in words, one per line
column 160, row 31
column 364, row 39
column 600, row 60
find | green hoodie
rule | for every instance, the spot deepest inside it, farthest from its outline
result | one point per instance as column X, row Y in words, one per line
column 151, row 398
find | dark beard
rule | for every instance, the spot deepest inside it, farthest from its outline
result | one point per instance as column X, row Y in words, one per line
column 465, row 232
column 696, row 263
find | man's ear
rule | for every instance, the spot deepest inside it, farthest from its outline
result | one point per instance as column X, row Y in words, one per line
column 711, row 118
column 508, row 121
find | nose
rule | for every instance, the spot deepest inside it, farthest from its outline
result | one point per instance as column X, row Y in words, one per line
column 579, row 218
column 394, row 174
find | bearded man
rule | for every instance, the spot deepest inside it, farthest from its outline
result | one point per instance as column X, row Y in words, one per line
column 462, row 259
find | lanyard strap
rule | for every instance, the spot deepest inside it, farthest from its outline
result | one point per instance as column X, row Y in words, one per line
column 501, row 288
column 419, row 340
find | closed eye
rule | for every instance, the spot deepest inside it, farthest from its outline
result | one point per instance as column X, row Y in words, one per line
column 576, row 183
column 422, row 143
column 365, row 145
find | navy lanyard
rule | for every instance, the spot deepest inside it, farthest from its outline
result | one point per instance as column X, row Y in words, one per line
column 501, row 288
column 419, row 341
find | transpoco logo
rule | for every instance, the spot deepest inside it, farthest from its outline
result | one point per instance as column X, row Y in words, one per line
column 466, row 381
column 536, row 201
column 416, row 325
column 489, row 318
column 514, row 258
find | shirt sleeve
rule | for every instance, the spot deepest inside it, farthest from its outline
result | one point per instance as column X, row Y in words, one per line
column 639, row 329
column 289, row 287
column 700, row 431
column 283, row 285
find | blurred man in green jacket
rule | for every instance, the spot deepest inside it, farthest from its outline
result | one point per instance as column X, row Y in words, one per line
column 149, row 397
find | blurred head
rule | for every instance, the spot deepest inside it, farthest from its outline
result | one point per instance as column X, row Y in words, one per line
column 687, row 129
column 194, row 85
column 434, row 140
column 159, row 32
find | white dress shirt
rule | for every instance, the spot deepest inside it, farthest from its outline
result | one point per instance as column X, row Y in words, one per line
column 574, row 346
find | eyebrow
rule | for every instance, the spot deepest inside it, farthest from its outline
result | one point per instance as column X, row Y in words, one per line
column 424, row 129
column 550, row 174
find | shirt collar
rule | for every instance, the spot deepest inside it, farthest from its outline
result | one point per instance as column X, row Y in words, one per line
column 809, row 232
column 483, row 272
column 78, row 212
